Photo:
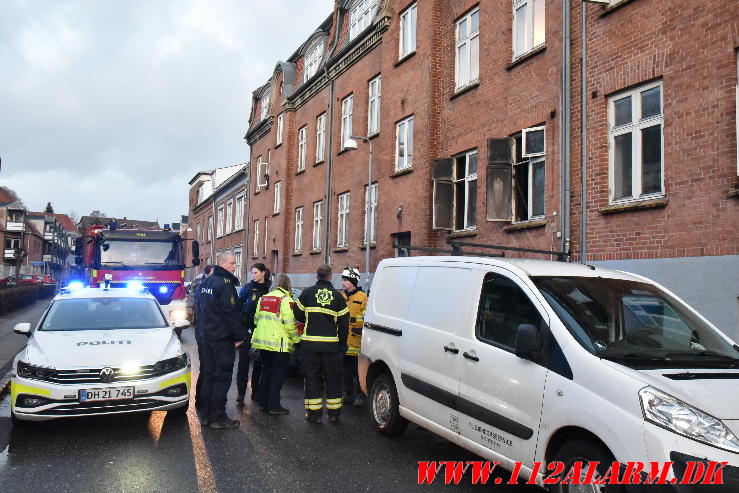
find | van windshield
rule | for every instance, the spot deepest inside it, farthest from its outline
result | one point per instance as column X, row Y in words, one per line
column 636, row 324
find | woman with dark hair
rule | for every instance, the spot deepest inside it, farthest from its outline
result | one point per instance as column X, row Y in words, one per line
column 249, row 297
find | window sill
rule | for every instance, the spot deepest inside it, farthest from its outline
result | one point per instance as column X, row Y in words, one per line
column 275, row 214
column 297, row 254
column 464, row 90
column 237, row 230
column 734, row 192
column 300, row 172
column 278, row 146
column 401, row 172
column 342, row 151
column 404, row 58
column 635, row 206
column 463, row 233
column 317, row 163
column 255, row 256
column 341, row 249
column 363, row 246
column 314, row 252
column 374, row 135
column 611, row 8
column 523, row 225
column 523, row 58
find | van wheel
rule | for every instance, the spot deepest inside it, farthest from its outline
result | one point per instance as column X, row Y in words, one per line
column 384, row 406
column 584, row 451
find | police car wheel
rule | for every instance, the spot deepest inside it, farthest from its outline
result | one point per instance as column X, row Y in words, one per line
column 384, row 406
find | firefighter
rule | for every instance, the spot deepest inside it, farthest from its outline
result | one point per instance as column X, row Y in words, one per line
column 356, row 301
column 326, row 318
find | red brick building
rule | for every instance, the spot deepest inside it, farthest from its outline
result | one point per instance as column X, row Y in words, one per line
column 473, row 112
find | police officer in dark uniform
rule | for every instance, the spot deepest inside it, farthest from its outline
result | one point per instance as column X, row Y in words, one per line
column 199, row 405
column 323, row 343
column 221, row 334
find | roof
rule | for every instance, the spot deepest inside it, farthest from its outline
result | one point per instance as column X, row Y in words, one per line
column 7, row 196
column 525, row 267
column 32, row 228
column 67, row 223
column 103, row 293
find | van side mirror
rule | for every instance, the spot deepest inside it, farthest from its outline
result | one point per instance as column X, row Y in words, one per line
column 23, row 328
column 195, row 253
column 527, row 342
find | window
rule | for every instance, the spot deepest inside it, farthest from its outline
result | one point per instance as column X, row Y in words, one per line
column 265, row 234
column 219, row 231
column 229, row 216
column 299, row 229
column 301, row 149
column 317, row 217
column 312, row 61
column 346, row 119
column 280, row 127
column 465, row 191
column 237, row 257
column 361, row 16
column 408, row 31
column 210, row 229
column 262, row 179
column 528, row 26
column 12, row 243
column 278, row 198
column 320, row 137
column 529, row 174
column 404, row 144
column 373, row 113
column 264, row 103
column 503, row 307
column 468, row 50
column 635, row 142
column 342, row 233
column 239, row 221
column 370, row 214
column 198, row 232
column 256, row 238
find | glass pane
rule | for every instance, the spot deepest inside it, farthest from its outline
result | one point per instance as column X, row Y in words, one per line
column 401, row 144
column 462, row 65
column 622, row 166
column 521, row 193
column 538, row 191
column 473, row 164
column 535, row 142
column 538, row 22
column 503, row 307
column 519, row 148
column 459, row 204
column 475, row 21
column 651, row 159
column 410, row 143
column 460, row 166
column 475, row 58
column 651, row 102
column 521, row 29
column 623, row 111
column 462, row 30
column 471, row 203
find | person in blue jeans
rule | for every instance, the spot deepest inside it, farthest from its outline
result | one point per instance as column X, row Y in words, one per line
column 249, row 297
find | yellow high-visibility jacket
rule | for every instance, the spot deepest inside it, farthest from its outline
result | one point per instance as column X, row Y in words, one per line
column 276, row 328
column 357, row 304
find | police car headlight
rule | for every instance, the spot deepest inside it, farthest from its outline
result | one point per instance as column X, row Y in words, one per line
column 171, row 364
column 178, row 314
column 24, row 370
column 679, row 417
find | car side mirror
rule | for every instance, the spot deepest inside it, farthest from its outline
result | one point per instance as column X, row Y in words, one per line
column 23, row 328
column 527, row 342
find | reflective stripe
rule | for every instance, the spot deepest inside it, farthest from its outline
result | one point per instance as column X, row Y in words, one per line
column 343, row 312
column 334, row 403
column 352, row 351
column 305, row 337
column 314, row 404
column 300, row 305
column 174, row 381
column 315, row 309
column 313, row 401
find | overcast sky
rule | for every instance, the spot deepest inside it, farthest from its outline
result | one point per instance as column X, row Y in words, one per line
column 115, row 104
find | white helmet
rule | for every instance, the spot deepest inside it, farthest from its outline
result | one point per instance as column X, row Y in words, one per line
column 351, row 275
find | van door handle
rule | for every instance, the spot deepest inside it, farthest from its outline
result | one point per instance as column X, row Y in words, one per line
column 470, row 357
column 452, row 350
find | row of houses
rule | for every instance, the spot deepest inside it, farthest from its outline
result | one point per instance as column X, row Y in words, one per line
column 606, row 132
column 41, row 242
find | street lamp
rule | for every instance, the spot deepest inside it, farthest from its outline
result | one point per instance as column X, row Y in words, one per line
column 351, row 145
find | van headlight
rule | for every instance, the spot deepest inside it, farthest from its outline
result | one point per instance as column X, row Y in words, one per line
column 171, row 364
column 675, row 415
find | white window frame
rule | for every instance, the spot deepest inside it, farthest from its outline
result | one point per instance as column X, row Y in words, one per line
column 635, row 127
column 258, row 174
column 404, row 129
column 529, row 22
column 265, row 104
column 239, row 212
column 347, row 110
column 317, row 218
column 525, row 152
column 210, row 228
column 298, row 240
column 199, row 232
column 278, row 198
column 312, row 61
column 219, row 223
column 408, row 23
column 280, row 127
column 238, row 258
column 467, row 178
column 462, row 81
column 302, row 145
column 320, row 137
column 229, row 215
column 373, row 106
column 266, row 225
column 370, row 213
column 342, row 230
column 360, row 16
column 256, row 238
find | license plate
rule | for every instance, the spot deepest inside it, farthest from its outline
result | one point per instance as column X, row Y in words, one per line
column 112, row 394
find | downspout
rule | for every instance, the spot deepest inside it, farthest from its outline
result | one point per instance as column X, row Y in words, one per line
column 565, row 130
column 247, row 195
column 583, row 141
column 329, row 167
column 213, row 215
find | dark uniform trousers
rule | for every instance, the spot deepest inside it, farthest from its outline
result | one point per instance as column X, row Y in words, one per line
column 242, row 374
column 320, row 369
column 217, row 365
column 199, row 402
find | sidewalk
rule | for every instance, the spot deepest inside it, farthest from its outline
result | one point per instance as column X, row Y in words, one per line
column 10, row 342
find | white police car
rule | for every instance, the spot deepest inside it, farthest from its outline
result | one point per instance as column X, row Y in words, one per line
column 100, row 351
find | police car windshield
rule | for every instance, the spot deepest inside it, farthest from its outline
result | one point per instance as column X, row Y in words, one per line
column 635, row 323
column 103, row 314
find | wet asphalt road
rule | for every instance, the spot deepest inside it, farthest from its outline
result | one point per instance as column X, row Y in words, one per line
column 156, row 452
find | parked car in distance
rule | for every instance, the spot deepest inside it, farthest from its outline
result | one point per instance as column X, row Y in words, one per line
column 25, row 279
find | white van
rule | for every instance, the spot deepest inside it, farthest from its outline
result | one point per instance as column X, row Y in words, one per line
column 534, row 361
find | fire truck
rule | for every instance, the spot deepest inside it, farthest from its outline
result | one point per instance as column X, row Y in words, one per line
column 152, row 259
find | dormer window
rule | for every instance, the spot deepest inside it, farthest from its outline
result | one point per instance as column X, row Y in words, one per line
column 361, row 16
column 264, row 103
column 312, row 61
